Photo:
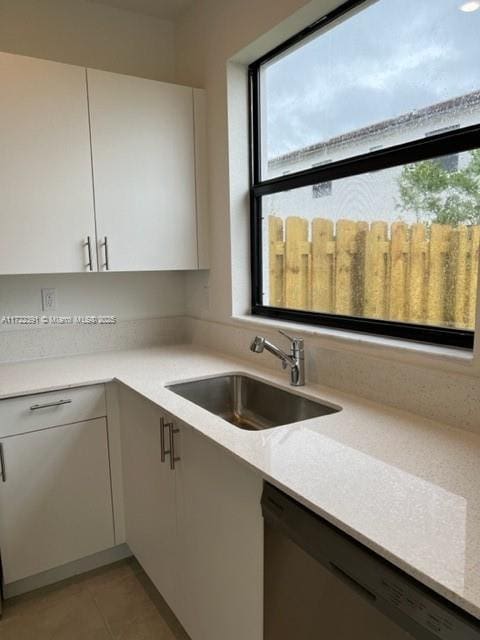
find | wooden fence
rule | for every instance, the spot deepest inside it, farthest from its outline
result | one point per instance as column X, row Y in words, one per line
column 412, row 273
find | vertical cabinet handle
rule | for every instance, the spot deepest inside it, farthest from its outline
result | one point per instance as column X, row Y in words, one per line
column 163, row 452
column 88, row 244
column 104, row 244
column 171, row 442
column 171, row 433
column 3, row 470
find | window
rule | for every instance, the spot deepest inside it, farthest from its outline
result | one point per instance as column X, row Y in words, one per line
column 324, row 188
column 389, row 92
column 447, row 163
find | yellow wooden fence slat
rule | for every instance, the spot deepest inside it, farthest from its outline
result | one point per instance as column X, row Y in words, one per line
column 376, row 269
column 358, row 275
column 297, row 264
column 417, row 274
column 323, row 265
column 437, row 290
column 458, row 276
column 276, row 261
column 346, row 234
column 399, row 250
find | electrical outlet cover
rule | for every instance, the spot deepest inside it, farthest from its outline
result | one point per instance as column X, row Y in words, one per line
column 49, row 299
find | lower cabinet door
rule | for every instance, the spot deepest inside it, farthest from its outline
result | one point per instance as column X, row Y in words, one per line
column 221, row 538
column 55, row 500
column 149, row 494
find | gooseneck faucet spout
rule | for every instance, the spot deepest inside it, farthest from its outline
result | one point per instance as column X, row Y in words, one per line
column 295, row 360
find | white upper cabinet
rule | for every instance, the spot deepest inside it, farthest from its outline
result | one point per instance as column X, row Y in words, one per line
column 46, row 195
column 143, row 147
column 201, row 176
column 99, row 166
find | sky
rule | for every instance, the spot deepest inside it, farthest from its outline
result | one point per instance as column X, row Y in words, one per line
column 393, row 57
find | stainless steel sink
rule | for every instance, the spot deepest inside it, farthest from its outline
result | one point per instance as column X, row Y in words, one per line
column 249, row 403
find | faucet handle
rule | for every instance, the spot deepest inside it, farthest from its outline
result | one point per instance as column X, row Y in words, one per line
column 294, row 341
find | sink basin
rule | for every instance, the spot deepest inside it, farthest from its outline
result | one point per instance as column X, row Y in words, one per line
column 249, row 403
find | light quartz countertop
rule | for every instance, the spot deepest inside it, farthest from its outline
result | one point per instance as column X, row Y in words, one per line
column 406, row 487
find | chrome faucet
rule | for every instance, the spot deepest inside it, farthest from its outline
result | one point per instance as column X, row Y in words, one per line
column 295, row 360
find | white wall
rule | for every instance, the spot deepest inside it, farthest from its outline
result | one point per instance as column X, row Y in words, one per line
column 88, row 34
column 128, row 296
column 207, row 37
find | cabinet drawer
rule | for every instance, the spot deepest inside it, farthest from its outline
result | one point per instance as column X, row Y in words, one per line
column 30, row 413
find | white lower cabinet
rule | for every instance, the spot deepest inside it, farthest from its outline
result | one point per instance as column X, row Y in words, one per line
column 220, row 532
column 197, row 530
column 149, row 494
column 55, row 497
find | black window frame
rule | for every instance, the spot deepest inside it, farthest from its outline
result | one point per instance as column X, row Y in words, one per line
column 444, row 143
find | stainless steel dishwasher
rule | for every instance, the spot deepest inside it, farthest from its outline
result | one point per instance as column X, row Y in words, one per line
column 320, row 584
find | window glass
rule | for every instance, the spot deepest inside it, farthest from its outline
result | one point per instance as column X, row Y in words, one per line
column 400, row 244
column 394, row 71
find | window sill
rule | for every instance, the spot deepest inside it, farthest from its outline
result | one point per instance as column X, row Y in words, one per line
column 378, row 346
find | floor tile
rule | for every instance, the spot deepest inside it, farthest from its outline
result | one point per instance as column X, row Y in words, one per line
column 40, row 599
column 71, row 617
column 21, row 628
column 163, row 609
column 123, row 601
column 117, row 602
column 98, row 579
column 150, row 628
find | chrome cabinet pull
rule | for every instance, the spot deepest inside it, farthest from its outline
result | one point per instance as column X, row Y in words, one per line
column 162, row 439
column 104, row 244
column 47, row 405
column 171, row 442
column 88, row 244
column 167, row 452
column 171, row 432
column 3, row 470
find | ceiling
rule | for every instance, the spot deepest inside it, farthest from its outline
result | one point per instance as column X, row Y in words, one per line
column 165, row 9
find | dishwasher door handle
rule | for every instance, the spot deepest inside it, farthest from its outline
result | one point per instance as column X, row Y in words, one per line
column 3, row 470
column 351, row 582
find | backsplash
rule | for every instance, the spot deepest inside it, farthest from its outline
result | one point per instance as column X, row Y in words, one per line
column 439, row 395
column 447, row 397
column 55, row 341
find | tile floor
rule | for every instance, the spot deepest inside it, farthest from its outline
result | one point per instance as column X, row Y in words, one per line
column 117, row 602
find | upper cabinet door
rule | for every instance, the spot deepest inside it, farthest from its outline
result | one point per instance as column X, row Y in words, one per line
column 144, row 173
column 46, row 195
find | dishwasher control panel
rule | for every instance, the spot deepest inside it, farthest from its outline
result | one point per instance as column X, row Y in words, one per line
column 424, row 610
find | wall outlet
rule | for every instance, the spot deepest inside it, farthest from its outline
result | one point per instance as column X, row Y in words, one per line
column 49, row 299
